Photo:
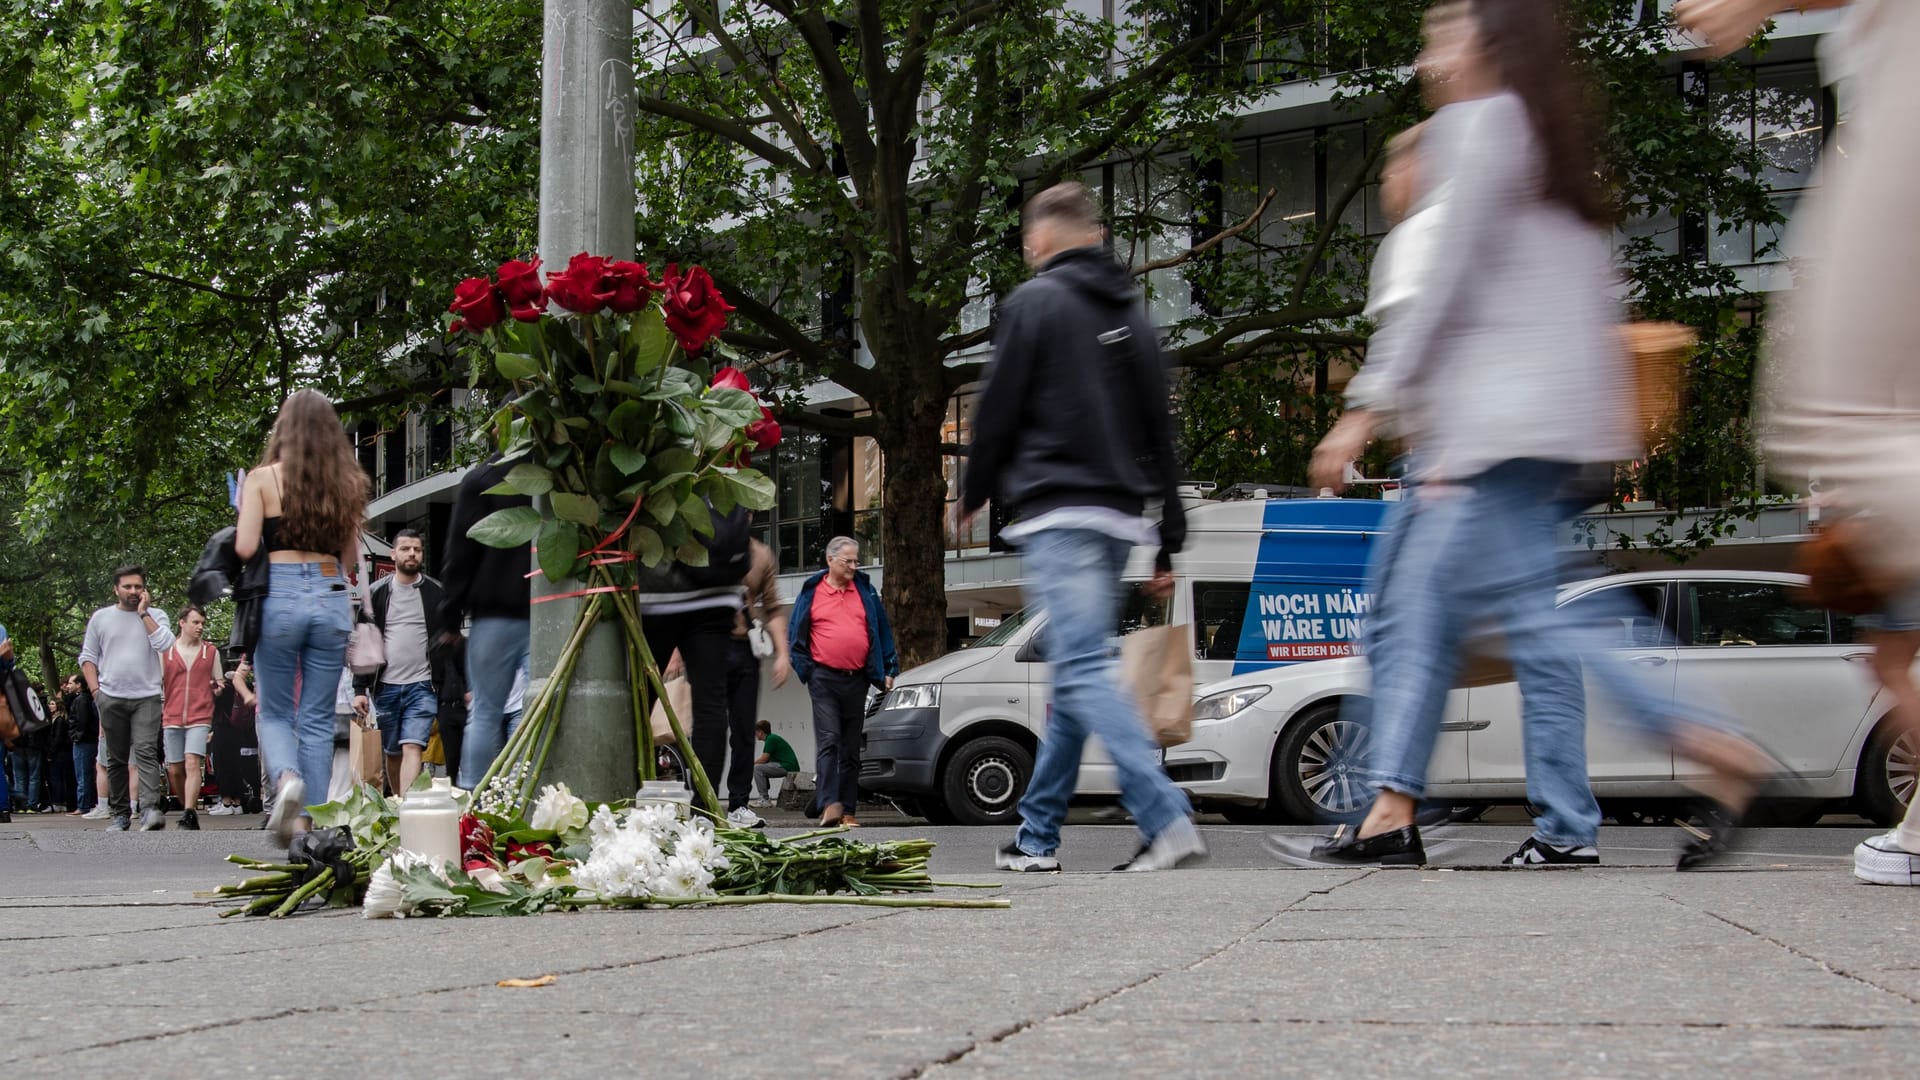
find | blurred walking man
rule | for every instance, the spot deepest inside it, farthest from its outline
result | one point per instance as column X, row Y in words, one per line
column 1072, row 437
column 120, row 659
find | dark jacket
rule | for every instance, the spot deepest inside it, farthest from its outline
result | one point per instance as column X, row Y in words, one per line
column 432, row 597
column 477, row 580
column 1075, row 409
column 882, row 662
column 83, row 718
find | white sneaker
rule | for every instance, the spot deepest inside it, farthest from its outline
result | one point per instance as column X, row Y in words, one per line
column 760, row 802
column 223, row 810
column 1176, row 844
column 1882, row 861
column 1009, row 856
column 286, row 807
column 742, row 818
column 100, row 812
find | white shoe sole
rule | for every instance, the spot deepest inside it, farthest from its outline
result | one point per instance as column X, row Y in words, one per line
column 1885, row 867
column 286, row 807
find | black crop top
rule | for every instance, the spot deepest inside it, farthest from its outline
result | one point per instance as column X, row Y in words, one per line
column 270, row 534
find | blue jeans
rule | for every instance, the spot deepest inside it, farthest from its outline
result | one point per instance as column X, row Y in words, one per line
column 1484, row 549
column 6, row 789
column 85, row 792
column 304, row 627
column 405, row 714
column 496, row 651
column 1073, row 578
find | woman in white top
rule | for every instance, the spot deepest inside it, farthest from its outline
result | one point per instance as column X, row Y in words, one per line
column 1502, row 366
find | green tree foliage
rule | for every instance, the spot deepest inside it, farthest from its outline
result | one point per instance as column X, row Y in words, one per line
column 205, row 204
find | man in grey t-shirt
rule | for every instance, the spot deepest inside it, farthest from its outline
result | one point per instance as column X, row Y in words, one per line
column 406, row 607
column 120, row 659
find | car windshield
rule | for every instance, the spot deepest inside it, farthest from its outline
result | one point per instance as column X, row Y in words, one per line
column 1001, row 634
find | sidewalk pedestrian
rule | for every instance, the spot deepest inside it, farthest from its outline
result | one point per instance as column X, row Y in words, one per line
column 842, row 646
column 488, row 585
column 765, row 614
column 449, row 658
column 235, row 747
column 1844, row 388
column 83, row 729
column 1505, row 372
column 6, row 787
column 1071, row 437
column 303, row 506
column 191, row 676
column 120, row 660
column 776, row 761
column 406, row 608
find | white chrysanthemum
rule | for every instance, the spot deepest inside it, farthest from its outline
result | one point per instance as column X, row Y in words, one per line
column 386, row 898
column 700, row 847
column 653, row 817
column 683, row 877
column 558, row 809
column 602, row 826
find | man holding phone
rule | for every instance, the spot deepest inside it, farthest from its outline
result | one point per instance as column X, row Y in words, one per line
column 120, row 659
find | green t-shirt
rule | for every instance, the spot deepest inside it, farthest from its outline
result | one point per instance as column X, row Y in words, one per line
column 781, row 753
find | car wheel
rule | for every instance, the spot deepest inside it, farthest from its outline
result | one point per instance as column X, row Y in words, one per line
column 1889, row 774
column 1320, row 768
column 985, row 779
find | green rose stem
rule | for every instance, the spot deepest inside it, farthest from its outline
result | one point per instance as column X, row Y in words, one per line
column 643, row 714
column 630, row 617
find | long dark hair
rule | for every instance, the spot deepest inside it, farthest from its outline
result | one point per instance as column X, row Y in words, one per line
column 323, row 493
column 1527, row 41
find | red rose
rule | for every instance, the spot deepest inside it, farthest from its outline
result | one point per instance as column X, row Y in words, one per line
column 518, row 852
column 476, row 841
column 765, row 432
column 584, row 287
column 731, row 378
column 477, row 303
column 631, row 287
column 695, row 310
column 520, row 283
column 529, row 313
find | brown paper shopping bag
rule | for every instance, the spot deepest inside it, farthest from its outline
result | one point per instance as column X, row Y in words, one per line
column 680, row 693
column 363, row 749
column 1159, row 662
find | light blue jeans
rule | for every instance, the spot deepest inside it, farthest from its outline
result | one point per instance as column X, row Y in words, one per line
column 304, row 627
column 496, row 651
column 1485, row 550
column 1073, row 578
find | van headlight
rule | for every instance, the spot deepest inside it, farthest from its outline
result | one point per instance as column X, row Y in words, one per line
column 917, row 696
column 1228, row 702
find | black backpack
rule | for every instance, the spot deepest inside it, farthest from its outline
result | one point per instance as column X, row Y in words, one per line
column 29, row 712
column 729, row 550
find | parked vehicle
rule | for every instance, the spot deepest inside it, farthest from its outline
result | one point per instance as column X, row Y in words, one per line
column 1261, row 583
column 1278, row 745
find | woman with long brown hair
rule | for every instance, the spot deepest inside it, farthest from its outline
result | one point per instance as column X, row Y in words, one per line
column 1505, row 370
column 304, row 506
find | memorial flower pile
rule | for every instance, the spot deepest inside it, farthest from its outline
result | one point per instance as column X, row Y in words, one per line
column 570, row 854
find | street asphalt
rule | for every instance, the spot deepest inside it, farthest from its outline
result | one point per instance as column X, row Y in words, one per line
column 1776, row 964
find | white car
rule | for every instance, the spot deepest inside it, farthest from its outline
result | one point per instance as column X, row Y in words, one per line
column 1276, row 745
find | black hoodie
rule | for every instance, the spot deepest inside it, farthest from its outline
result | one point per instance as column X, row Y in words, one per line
column 478, row 580
column 1075, row 409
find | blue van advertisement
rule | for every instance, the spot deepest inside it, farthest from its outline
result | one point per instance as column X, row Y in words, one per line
column 1288, row 622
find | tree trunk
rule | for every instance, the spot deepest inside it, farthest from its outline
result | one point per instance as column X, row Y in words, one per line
column 914, row 546
column 49, row 664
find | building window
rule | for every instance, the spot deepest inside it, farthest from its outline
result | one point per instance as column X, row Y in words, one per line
column 1784, row 115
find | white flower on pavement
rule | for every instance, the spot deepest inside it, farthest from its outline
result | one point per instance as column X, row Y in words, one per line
column 558, row 810
column 385, row 899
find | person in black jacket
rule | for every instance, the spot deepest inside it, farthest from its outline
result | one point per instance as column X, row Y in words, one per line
column 450, row 683
column 488, row 585
column 83, row 728
column 406, row 607
column 1072, row 436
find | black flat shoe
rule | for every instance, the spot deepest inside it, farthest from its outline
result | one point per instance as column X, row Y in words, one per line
column 1398, row 847
column 1709, row 839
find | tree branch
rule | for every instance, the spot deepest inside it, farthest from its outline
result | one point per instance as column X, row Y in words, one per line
column 857, row 426
column 731, row 130
column 200, row 286
column 1273, row 320
column 783, row 114
column 1355, row 184
column 1211, row 242
column 1248, row 349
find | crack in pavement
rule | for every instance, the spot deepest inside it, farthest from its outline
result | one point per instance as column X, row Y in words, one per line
column 1029, row 1023
column 345, row 1007
column 1550, row 1025
column 1791, row 950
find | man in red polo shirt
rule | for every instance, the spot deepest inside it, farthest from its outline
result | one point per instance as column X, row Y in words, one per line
column 841, row 645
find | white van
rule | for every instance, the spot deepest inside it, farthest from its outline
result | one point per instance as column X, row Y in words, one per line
column 1261, row 584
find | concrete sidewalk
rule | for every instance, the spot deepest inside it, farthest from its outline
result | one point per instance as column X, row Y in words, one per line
column 1783, row 967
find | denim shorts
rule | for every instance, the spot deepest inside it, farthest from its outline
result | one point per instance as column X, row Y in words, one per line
column 181, row 741
column 1901, row 615
column 405, row 714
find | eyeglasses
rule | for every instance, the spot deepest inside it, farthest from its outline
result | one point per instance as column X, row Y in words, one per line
column 843, row 559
